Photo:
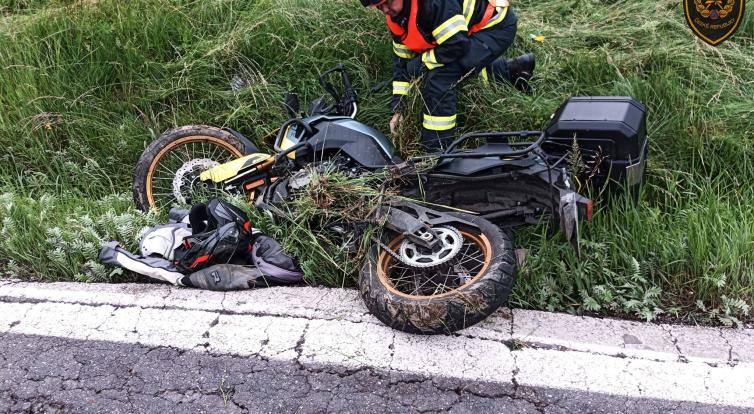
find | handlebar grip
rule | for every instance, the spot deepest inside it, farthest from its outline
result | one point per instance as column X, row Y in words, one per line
column 346, row 80
column 348, row 89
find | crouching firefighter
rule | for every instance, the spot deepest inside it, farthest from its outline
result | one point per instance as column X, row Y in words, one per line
column 448, row 41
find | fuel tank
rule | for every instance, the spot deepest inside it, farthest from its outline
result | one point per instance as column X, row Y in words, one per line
column 343, row 135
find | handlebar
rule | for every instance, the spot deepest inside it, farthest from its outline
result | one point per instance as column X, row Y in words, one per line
column 344, row 105
column 350, row 99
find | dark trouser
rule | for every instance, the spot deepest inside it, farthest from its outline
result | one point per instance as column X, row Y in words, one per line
column 440, row 84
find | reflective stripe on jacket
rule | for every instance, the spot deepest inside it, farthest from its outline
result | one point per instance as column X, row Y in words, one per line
column 412, row 38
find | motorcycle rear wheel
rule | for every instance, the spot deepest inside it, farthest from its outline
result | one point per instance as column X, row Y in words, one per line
column 184, row 150
column 442, row 308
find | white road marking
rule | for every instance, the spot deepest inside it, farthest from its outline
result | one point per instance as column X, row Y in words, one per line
column 323, row 327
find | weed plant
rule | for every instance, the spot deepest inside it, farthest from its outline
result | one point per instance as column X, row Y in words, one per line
column 59, row 237
column 86, row 85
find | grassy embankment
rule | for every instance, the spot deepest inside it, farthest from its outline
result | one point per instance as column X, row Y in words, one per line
column 85, row 85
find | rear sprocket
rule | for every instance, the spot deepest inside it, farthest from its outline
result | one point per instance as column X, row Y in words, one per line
column 446, row 248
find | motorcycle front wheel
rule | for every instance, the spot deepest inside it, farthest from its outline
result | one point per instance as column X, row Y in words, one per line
column 444, row 298
column 167, row 173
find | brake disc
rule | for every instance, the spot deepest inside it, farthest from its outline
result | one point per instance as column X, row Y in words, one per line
column 449, row 245
column 188, row 174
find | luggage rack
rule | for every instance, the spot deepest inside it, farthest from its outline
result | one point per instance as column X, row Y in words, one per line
column 504, row 137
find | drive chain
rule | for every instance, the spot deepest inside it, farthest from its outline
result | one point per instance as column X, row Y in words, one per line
column 389, row 251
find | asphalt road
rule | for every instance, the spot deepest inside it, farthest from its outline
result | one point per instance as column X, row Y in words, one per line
column 57, row 375
column 68, row 347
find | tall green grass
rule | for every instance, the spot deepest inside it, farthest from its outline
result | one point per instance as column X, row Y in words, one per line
column 59, row 237
column 85, row 85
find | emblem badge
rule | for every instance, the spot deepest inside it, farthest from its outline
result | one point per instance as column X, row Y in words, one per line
column 714, row 21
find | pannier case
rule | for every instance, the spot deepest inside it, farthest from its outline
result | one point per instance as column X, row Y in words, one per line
column 611, row 133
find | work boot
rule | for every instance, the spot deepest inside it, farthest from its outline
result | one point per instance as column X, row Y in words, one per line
column 520, row 70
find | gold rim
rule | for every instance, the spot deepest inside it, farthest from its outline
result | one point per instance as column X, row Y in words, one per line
column 183, row 141
column 385, row 262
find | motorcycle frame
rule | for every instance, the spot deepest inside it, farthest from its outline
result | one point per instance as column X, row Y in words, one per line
column 563, row 204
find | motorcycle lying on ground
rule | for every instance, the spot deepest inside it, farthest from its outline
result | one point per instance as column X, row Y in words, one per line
column 432, row 270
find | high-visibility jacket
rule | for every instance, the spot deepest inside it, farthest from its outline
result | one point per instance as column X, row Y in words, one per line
column 413, row 38
column 438, row 31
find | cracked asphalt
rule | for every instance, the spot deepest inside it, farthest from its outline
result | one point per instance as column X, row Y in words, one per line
column 151, row 348
column 58, row 375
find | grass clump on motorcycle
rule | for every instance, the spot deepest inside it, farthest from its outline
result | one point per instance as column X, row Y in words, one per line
column 86, row 86
column 323, row 224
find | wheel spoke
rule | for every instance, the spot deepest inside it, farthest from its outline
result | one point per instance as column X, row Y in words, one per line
column 169, row 201
column 187, row 152
column 177, row 156
column 162, row 168
column 460, row 270
column 212, row 153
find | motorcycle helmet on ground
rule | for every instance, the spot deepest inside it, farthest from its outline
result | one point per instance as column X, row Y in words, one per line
column 211, row 247
column 220, row 230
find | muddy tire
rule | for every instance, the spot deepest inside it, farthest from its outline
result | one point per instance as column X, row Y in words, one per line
column 219, row 146
column 452, row 310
